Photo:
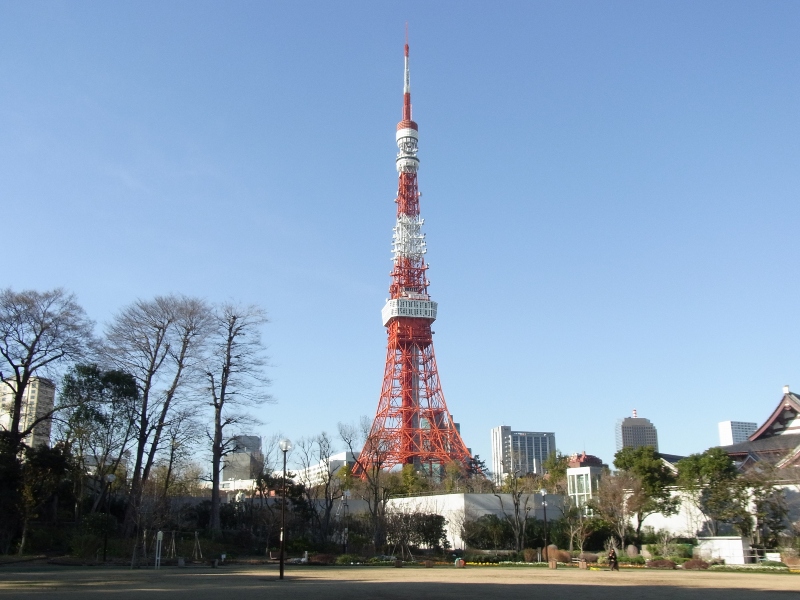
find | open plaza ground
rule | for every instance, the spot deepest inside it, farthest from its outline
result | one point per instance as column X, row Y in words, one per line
column 361, row 583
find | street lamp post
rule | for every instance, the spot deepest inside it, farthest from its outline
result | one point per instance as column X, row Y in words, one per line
column 285, row 445
column 109, row 480
column 544, row 508
column 346, row 495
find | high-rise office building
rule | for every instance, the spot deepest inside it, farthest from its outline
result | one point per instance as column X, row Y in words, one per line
column 634, row 432
column 519, row 452
column 245, row 461
column 735, row 432
column 37, row 401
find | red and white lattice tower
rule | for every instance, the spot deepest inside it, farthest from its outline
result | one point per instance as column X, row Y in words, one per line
column 412, row 424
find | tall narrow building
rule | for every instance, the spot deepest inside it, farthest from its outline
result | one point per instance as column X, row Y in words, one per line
column 412, row 425
column 37, row 402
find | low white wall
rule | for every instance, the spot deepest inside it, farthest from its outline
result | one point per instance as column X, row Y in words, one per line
column 733, row 550
column 458, row 508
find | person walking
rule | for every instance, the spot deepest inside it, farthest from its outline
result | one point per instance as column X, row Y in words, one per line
column 612, row 559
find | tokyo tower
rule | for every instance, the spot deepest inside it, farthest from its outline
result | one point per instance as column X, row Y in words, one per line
column 412, row 424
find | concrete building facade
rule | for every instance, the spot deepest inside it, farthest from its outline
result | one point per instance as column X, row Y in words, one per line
column 246, row 461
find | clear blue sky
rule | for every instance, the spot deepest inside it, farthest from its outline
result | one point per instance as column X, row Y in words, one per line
column 610, row 192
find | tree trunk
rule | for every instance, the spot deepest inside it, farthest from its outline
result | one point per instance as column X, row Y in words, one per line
column 216, row 468
column 22, row 541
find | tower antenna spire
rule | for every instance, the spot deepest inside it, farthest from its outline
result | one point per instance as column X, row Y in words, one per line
column 406, row 85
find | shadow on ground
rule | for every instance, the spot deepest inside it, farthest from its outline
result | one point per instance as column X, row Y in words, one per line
column 216, row 584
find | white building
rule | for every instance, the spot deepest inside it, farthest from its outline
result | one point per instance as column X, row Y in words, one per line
column 634, row 432
column 459, row 508
column 320, row 473
column 519, row 452
column 582, row 484
column 37, row 401
column 735, row 432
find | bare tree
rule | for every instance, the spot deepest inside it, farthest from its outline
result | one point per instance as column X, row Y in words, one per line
column 38, row 331
column 235, row 380
column 181, row 434
column 375, row 483
column 324, row 488
column 158, row 342
column 616, row 496
column 521, row 488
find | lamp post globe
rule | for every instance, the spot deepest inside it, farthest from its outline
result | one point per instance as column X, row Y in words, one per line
column 543, row 492
column 285, row 445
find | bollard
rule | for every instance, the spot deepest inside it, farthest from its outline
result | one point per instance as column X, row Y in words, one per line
column 398, row 563
column 460, row 563
column 582, row 564
column 552, row 564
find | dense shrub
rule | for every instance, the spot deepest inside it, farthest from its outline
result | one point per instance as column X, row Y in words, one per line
column 322, row 559
column 346, row 559
column 85, row 545
column 483, row 559
column 695, row 564
column 772, row 563
column 561, row 556
column 530, row 555
column 636, row 560
column 589, row 557
column 660, row 564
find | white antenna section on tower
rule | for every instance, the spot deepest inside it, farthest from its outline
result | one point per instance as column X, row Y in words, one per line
column 408, row 241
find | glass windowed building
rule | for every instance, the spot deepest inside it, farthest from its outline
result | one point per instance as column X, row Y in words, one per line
column 520, row 452
column 582, row 484
column 634, row 432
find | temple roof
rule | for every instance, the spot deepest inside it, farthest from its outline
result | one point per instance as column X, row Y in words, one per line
column 784, row 420
column 777, row 441
column 773, row 444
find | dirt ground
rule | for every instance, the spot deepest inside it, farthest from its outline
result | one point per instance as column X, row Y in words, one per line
column 357, row 583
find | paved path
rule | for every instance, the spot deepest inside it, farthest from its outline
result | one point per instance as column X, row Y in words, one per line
column 361, row 583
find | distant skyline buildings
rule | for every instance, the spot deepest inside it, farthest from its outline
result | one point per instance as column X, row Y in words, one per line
column 735, row 432
column 519, row 451
column 634, row 432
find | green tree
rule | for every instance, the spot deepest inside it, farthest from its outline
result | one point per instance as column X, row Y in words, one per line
column 655, row 479
column 711, row 481
column 96, row 424
column 43, row 472
column 555, row 467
